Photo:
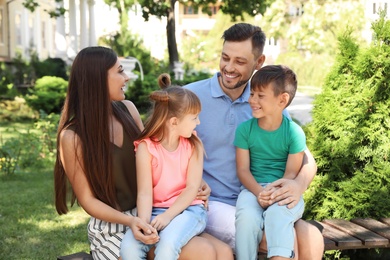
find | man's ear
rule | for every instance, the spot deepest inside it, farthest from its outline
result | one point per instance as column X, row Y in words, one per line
column 260, row 61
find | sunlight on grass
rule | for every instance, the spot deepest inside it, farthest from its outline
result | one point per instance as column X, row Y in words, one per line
column 74, row 218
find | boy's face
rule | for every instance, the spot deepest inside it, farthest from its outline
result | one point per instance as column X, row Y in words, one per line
column 237, row 64
column 264, row 103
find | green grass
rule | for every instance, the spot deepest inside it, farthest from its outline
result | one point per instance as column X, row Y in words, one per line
column 30, row 227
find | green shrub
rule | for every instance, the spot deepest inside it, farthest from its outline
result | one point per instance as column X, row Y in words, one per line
column 350, row 133
column 16, row 110
column 48, row 94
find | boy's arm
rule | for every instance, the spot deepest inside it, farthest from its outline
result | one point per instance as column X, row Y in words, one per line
column 144, row 182
column 187, row 196
column 293, row 165
column 243, row 172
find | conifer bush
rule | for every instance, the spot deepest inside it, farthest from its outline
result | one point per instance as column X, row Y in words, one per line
column 350, row 132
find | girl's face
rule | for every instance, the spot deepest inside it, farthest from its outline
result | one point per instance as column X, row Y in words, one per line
column 117, row 82
column 187, row 124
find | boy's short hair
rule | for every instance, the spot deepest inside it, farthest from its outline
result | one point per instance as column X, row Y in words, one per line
column 281, row 78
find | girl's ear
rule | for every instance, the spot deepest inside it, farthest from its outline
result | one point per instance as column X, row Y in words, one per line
column 173, row 121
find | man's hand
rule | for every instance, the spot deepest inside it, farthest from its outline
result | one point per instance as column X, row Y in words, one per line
column 143, row 231
column 284, row 191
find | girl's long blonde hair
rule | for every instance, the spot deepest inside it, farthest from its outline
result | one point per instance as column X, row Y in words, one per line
column 170, row 101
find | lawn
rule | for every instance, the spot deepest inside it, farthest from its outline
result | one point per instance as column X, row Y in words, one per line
column 30, row 226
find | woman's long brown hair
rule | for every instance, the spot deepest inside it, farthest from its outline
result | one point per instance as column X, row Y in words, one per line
column 86, row 111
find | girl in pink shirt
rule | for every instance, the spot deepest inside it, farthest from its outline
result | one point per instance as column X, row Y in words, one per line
column 169, row 161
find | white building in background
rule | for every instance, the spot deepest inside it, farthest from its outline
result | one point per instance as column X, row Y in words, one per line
column 87, row 20
column 22, row 30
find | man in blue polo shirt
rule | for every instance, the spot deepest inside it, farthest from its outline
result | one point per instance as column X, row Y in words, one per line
column 224, row 99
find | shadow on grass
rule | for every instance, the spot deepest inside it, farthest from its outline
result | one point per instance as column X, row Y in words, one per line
column 30, row 226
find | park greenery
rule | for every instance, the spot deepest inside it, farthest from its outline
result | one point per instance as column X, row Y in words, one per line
column 349, row 134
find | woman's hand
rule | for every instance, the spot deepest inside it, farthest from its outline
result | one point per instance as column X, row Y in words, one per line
column 143, row 232
column 204, row 193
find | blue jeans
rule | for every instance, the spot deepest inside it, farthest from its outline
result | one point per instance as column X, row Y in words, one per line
column 277, row 222
column 183, row 227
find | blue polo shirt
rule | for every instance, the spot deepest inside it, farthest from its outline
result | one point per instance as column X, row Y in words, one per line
column 219, row 119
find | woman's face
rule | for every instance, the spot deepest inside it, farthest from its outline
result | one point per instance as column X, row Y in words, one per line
column 117, row 82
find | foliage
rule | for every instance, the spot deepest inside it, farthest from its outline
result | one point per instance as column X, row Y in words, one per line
column 33, row 148
column 48, row 94
column 16, row 110
column 139, row 91
column 126, row 44
column 236, row 9
column 315, row 27
column 6, row 78
column 306, row 68
column 350, row 132
column 55, row 67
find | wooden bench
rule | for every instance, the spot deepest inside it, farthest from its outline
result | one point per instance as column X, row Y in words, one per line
column 338, row 234
column 358, row 233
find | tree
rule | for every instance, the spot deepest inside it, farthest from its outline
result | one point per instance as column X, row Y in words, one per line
column 350, row 132
column 165, row 8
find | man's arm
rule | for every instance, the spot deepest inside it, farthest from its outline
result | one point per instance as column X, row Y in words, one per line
column 288, row 192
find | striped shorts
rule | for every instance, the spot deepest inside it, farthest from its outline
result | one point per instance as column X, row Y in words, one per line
column 106, row 237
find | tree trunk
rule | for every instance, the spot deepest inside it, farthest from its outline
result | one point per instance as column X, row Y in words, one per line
column 171, row 35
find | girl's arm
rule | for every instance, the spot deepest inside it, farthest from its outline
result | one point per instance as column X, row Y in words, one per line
column 69, row 144
column 293, row 165
column 187, row 196
column 144, row 182
column 244, row 173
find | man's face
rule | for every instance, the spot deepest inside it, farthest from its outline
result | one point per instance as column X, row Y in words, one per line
column 237, row 64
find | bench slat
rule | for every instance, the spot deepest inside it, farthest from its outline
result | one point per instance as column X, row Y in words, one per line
column 385, row 220
column 329, row 244
column 342, row 239
column 76, row 256
column 374, row 225
column 369, row 238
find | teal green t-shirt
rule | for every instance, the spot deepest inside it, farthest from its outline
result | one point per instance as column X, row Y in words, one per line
column 269, row 149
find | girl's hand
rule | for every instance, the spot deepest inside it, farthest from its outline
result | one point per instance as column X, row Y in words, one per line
column 160, row 221
column 204, row 193
column 143, row 231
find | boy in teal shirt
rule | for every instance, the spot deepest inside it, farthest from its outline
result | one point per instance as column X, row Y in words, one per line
column 268, row 147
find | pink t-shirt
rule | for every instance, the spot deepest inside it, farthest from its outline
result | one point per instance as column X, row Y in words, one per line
column 169, row 170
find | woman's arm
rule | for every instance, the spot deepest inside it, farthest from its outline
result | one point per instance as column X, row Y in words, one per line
column 69, row 143
column 187, row 196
